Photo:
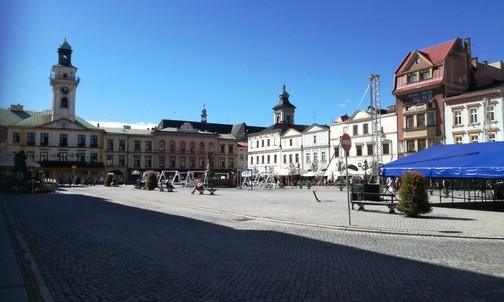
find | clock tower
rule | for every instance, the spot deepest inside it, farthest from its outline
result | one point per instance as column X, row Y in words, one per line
column 64, row 82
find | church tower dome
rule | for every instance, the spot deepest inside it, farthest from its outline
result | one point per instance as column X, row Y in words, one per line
column 284, row 110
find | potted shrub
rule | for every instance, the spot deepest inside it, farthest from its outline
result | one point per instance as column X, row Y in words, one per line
column 108, row 179
column 414, row 199
column 151, row 181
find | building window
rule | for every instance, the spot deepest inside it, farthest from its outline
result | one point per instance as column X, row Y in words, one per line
column 268, row 159
column 251, row 160
column 222, row 162
column 430, row 119
column 410, row 146
column 30, row 155
column 148, row 146
column 182, row 147
column 421, row 120
column 93, row 157
column 323, row 156
column 285, row 158
column 369, row 149
column 30, row 138
column 491, row 113
column 122, row 145
column 290, row 158
column 457, row 118
column 425, row 74
column 412, row 77
column 192, row 147
column 290, row 142
column 421, row 144
column 63, row 140
column 222, row 149
column 315, row 157
column 161, row 145
column 64, row 102
column 136, row 160
column 110, row 160
column 358, row 149
column 262, row 159
column 262, row 143
column 355, row 130
column 297, row 158
column 386, row 149
column 230, row 149
column 314, row 139
column 257, row 144
column 474, row 138
column 426, row 95
column 161, row 160
column 182, row 162
column 491, row 137
column 336, row 152
column 365, row 129
column 44, row 155
column 122, row 160
column 202, row 147
column 413, row 97
column 136, row 146
column 81, row 140
column 16, row 137
column 62, row 156
column 268, row 142
column 473, row 115
column 81, row 157
column 171, row 161
column 93, row 141
column 148, row 161
column 110, row 145
column 410, row 122
column 308, row 160
column 274, row 158
column 458, row 139
column 231, row 163
column 44, row 139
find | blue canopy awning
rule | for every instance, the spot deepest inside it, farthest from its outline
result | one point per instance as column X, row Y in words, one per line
column 475, row 160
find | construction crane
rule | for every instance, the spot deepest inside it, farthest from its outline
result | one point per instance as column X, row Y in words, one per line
column 377, row 130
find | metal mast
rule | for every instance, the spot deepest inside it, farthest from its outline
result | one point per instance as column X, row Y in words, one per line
column 486, row 120
column 376, row 127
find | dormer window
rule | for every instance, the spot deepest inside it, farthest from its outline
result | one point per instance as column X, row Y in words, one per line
column 412, row 77
column 425, row 74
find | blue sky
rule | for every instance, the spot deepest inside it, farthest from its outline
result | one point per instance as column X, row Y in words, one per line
column 143, row 61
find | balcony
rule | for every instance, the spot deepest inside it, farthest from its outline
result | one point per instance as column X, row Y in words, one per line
column 30, row 143
column 81, row 145
column 44, row 143
column 420, row 132
column 63, row 144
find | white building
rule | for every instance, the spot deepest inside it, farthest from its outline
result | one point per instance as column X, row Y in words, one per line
column 359, row 127
column 476, row 116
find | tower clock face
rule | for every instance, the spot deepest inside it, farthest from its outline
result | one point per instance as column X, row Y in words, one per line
column 64, row 90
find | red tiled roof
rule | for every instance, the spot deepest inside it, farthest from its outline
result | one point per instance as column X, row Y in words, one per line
column 402, row 85
column 436, row 54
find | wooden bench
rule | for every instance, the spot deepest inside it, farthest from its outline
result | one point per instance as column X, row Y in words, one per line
column 386, row 199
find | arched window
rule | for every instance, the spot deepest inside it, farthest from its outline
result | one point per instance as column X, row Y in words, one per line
column 172, row 146
column 192, row 146
column 202, row 147
column 161, row 145
column 64, row 102
column 211, row 147
column 182, row 146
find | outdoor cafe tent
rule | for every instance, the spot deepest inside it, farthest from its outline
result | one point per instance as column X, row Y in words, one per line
column 474, row 160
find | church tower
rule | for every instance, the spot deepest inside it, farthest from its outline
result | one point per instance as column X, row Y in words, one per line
column 203, row 115
column 64, row 82
column 284, row 110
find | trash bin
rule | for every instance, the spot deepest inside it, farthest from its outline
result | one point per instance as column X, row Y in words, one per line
column 371, row 188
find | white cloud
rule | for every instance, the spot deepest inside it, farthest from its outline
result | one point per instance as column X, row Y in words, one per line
column 138, row 125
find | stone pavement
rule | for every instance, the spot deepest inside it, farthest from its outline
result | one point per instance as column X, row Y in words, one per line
column 290, row 206
column 298, row 206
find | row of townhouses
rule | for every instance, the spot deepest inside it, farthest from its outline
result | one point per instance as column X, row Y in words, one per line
column 443, row 96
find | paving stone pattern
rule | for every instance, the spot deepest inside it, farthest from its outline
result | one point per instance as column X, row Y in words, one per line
column 124, row 244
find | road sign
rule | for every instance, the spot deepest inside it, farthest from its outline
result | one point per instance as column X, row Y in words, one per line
column 346, row 142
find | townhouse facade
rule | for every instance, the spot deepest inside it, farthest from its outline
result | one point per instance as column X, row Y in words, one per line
column 476, row 116
column 422, row 83
column 358, row 126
